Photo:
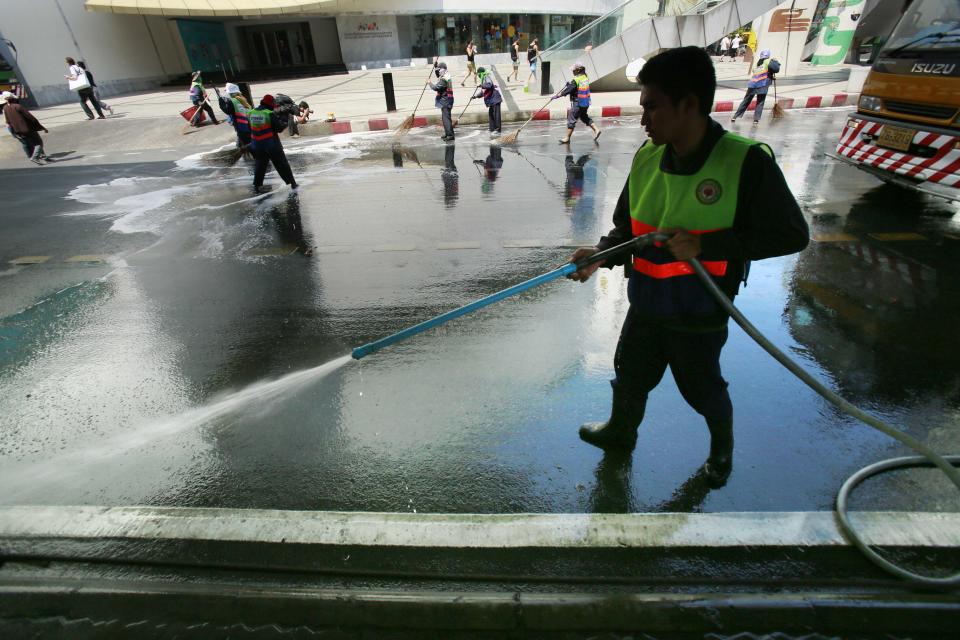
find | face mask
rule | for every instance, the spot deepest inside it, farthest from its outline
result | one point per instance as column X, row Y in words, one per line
column 439, row 72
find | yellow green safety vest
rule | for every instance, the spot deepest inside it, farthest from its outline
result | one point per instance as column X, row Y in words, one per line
column 700, row 203
column 583, row 90
column 759, row 78
column 260, row 125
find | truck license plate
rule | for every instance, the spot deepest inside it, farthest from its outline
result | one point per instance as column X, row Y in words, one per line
column 896, row 137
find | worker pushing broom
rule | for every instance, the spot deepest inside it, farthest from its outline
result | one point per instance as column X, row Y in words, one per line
column 578, row 88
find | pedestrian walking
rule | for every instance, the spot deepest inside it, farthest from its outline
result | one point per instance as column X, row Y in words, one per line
column 758, row 86
column 515, row 59
column 238, row 110
column 735, row 46
column 724, row 47
column 444, row 100
column 725, row 201
column 79, row 82
column 579, row 91
column 94, row 87
column 198, row 97
column 533, row 51
column 491, row 98
column 471, row 65
column 23, row 126
column 265, row 129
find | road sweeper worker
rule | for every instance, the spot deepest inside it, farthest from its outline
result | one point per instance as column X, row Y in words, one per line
column 760, row 81
column 725, row 201
column 579, row 91
column 236, row 106
column 265, row 128
column 198, row 96
column 491, row 98
column 444, row 100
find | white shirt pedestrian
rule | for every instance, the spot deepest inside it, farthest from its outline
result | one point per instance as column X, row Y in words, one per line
column 736, row 45
column 724, row 46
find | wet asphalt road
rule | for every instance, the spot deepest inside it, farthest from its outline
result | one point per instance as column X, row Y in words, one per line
column 169, row 286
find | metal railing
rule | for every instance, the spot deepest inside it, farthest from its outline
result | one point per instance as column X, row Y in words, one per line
column 612, row 24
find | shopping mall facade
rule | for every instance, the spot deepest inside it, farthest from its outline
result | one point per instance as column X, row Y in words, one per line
column 138, row 44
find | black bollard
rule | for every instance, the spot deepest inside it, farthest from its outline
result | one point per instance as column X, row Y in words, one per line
column 544, row 77
column 388, row 92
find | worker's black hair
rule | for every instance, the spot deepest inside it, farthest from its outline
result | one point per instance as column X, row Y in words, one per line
column 681, row 72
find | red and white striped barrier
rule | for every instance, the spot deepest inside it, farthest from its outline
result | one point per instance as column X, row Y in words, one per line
column 932, row 157
column 607, row 111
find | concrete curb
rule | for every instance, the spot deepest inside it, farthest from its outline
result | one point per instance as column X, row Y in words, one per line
column 480, row 531
column 384, row 123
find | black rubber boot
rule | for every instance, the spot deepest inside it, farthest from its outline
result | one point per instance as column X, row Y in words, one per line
column 620, row 431
column 718, row 466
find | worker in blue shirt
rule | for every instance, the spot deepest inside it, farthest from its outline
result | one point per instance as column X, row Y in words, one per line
column 491, row 98
column 758, row 86
column 579, row 91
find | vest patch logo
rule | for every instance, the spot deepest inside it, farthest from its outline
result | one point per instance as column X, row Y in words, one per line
column 709, row 191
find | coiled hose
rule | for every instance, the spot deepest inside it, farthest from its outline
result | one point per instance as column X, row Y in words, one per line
column 927, row 458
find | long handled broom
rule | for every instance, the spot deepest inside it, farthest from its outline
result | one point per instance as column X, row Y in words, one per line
column 195, row 117
column 457, row 119
column 777, row 109
column 511, row 138
column 407, row 124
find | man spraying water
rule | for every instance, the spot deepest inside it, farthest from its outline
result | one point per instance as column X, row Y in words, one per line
column 725, row 201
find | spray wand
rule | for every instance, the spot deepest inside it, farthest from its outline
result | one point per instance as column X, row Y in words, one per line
column 565, row 270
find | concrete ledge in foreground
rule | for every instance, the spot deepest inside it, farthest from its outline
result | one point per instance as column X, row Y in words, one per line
column 471, row 531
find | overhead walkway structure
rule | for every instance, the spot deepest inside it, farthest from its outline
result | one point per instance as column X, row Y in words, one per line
column 637, row 29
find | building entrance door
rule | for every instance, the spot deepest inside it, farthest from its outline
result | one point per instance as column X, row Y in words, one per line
column 279, row 45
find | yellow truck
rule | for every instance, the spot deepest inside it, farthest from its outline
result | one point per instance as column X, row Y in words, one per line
column 906, row 129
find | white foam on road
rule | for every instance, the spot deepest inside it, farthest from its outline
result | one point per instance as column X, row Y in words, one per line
column 107, row 192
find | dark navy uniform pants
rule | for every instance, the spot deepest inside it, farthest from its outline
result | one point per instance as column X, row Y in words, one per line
column 493, row 115
column 576, row 112
column 646, row 349
column 263, row 155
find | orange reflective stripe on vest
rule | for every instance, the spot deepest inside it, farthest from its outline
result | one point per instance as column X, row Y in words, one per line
column 259, row 120
column 673, row 269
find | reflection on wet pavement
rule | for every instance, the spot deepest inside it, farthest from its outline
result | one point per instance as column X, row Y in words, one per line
column 208, row 288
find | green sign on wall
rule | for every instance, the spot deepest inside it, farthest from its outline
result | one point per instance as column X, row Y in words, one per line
column 206, row 44
column 836, row 32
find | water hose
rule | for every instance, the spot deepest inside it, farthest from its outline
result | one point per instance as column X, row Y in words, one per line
column 927, row 458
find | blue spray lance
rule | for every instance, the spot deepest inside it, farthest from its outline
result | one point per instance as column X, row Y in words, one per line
column 927, row 458
column 561, row 272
